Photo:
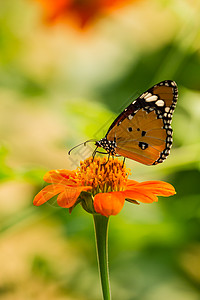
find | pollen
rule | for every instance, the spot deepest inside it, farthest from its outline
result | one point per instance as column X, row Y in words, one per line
column 103, row 175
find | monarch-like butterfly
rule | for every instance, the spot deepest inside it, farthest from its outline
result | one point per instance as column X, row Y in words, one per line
column 142, row 132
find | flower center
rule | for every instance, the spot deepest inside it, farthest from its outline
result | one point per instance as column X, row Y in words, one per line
column 102, row 175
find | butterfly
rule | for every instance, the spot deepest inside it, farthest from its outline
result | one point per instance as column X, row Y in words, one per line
column 142, row 132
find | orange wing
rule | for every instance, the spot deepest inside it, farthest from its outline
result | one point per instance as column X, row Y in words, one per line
column 143, row 132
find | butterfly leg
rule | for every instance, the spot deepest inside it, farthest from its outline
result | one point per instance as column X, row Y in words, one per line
column 107, row 160
column 94, row 153
column 123, row 162
column 101, row 152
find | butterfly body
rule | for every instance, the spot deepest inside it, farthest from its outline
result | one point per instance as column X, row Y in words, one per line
column 142, row 132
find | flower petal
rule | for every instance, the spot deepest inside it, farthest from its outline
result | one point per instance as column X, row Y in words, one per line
column 60, row 176
column 108, row 204
column 47, row 193
column 69, row 196
column 131, row 183
column 159, row 188
column 139, row 195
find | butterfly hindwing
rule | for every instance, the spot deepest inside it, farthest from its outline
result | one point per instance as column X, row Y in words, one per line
column 142, row 132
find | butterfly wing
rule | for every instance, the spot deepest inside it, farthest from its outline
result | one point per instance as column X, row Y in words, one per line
column 142, row 132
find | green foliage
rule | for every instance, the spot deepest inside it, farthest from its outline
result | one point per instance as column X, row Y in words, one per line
column 42, row 268
column 6, row 173
column 33, row 175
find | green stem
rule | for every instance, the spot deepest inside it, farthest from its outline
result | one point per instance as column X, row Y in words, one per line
column 101, row 233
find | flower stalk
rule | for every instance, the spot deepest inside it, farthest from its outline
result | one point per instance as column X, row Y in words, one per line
column 101, row 234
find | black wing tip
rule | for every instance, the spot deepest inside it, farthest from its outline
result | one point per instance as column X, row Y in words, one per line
column 170, row 83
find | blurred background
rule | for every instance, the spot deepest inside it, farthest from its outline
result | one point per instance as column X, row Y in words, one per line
column 67, row 68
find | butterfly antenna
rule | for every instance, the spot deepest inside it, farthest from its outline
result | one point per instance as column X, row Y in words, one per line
column 84, row 143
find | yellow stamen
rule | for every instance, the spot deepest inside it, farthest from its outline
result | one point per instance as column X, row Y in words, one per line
column 102, row 175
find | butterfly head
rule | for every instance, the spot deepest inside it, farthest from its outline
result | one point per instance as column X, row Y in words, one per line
column 109, row 146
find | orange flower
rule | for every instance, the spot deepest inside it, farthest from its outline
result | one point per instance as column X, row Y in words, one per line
column 101, row 187
column 82, row 12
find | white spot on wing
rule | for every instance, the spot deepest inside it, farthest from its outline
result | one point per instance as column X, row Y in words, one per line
column 143, row 95
column 151, row 98
column 160, row 103
column 147, row 95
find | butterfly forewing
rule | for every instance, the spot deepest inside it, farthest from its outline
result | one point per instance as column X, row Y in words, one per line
column 142, row 132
